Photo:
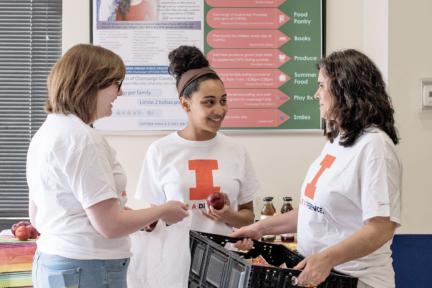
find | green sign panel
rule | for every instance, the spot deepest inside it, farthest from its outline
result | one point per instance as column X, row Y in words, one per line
column 266, row 54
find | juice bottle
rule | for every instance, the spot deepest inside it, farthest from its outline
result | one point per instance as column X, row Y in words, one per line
column 286, row 207
column 268, row 210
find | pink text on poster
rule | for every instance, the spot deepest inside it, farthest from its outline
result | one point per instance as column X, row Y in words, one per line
column 243, row 118
column 255, row 98
column 249, row 18
column 252, row 78
column 247, row 58
column 245, row 3
column 246, row 38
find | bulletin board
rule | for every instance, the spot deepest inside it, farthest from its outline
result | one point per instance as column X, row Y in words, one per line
column 265, row 52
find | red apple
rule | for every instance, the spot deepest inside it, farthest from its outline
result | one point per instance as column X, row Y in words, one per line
column 217, row 200
column 22, row 233
column 16, row 225
column 32, row 231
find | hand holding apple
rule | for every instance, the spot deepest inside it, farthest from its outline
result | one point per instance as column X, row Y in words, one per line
column 217, row 200
column 219, row 209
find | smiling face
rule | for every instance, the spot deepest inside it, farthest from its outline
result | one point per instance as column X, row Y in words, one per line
column 105, row 98
column 323, row 95
column 206, row 110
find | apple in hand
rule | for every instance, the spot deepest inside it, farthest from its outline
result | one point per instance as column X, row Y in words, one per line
column 22, row 233
column 217, row 200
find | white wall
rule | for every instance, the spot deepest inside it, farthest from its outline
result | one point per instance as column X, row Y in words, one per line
column 281, row 160
column 410, row 58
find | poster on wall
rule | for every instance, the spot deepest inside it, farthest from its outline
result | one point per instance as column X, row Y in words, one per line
column 265, row 52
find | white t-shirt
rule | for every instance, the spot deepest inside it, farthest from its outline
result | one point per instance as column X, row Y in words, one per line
column 70, row 167
column 345, row 187
column 189, row 171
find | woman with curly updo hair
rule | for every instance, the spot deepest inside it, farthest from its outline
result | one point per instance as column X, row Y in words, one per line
column 350, row 199
column 190, row 165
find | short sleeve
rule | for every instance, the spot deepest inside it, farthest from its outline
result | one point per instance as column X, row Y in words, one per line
column 120, row 178
column 250, row 187
column 148, row 188
column 90, row 174
column 381, row 188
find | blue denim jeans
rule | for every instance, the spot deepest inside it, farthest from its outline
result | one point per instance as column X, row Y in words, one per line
column 51, row 271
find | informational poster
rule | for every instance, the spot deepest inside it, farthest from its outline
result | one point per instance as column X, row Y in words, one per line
column 265, row 51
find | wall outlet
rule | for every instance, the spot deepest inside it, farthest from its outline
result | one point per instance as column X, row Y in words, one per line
column 426, row 93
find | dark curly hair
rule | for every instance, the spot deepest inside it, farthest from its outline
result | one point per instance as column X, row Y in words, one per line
column 359, row 98
column 185, row 58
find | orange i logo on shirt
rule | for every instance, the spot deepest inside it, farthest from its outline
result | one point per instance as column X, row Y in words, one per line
column 204, row 178
column 325, row 164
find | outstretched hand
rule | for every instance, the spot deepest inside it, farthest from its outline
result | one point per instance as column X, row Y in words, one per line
column 174, row 211
column 250, row 231
column 316, row 268
column 247, row 232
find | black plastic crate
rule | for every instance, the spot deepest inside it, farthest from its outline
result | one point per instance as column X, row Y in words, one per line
column 213, row 266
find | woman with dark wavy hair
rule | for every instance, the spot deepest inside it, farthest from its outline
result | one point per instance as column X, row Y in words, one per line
column 359, row 97
column 350, row 199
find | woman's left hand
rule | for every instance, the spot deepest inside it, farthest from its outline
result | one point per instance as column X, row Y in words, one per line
column 316, row 268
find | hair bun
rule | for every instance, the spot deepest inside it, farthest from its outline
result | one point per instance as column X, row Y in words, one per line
column 185, row 58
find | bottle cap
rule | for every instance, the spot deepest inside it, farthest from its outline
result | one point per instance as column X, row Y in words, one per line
column 268, row 198
column 287, row 198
